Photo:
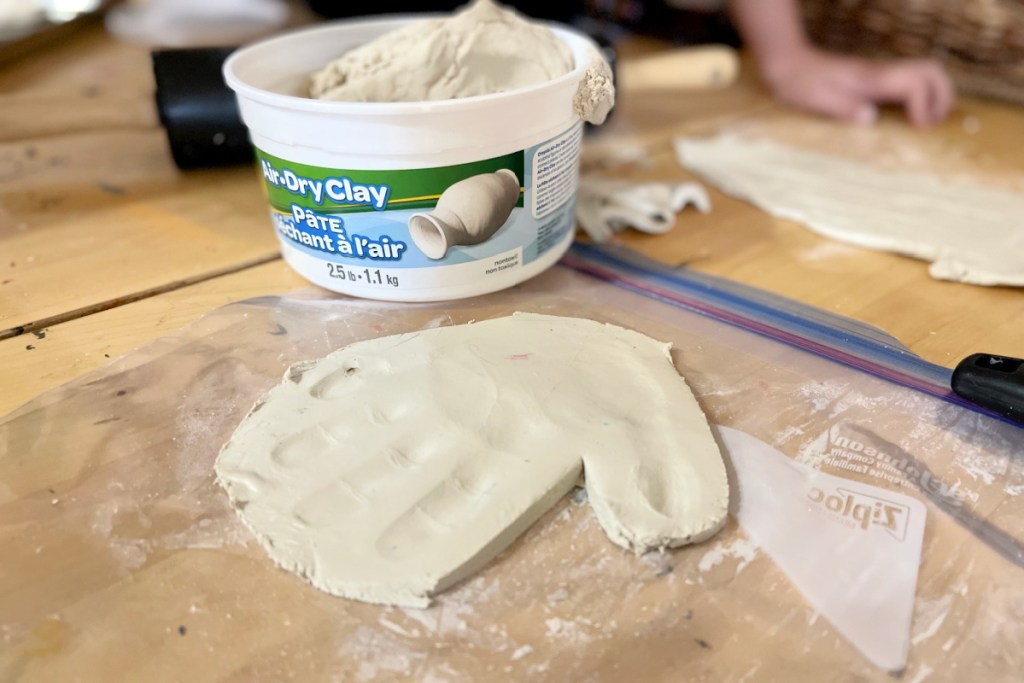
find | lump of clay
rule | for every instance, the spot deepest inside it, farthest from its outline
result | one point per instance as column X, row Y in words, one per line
column 468, row 212
column 482, row 49
column 595, row 94
column 394, row 467
column 604, row 207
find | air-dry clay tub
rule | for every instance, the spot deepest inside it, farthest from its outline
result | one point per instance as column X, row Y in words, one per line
column 410, row 201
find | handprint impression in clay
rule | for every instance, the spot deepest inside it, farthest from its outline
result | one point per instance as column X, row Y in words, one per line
column 397, row 466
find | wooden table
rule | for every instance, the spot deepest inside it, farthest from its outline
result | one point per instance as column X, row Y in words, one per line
column 105, row 246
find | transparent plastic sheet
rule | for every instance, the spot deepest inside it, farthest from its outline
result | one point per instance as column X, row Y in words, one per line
column 122, row 560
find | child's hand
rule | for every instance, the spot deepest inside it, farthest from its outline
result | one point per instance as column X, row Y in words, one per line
column 849, row 88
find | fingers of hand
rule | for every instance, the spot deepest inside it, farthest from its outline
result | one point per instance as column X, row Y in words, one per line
column 826, row 99
column 848, row 88
column 922, row 87
column 944, row 92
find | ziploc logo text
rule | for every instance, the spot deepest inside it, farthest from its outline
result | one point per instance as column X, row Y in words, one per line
column 338, row 190
column 862, row 511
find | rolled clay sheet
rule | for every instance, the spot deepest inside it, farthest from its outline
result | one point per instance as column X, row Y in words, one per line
column 968, row 232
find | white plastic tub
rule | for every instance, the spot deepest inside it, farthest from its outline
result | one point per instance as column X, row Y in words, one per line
column 344, row 178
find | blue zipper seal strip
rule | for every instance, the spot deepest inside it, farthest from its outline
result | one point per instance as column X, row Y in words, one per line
column 839, row 339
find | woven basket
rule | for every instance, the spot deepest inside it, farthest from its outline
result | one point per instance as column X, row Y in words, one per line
column 981, row 42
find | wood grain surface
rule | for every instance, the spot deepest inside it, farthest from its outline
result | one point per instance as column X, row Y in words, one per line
column 124, row 561
column 105, row 246
column 92, row 219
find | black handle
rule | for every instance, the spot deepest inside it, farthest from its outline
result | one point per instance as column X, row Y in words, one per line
column 993, row 382
column 198, row 109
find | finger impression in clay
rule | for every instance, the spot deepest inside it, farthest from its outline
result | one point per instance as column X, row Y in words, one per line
column 394, row 467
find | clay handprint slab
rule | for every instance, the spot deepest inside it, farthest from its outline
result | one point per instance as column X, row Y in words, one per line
column 394, row 467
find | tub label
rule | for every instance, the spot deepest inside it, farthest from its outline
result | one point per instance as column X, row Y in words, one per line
column 427, row 227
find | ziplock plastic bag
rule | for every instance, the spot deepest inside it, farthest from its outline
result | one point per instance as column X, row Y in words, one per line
column 120, row 558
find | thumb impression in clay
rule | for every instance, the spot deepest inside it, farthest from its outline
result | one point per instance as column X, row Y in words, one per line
column 468, row 212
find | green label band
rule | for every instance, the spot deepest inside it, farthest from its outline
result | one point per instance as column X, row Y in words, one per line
column 348, row 191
